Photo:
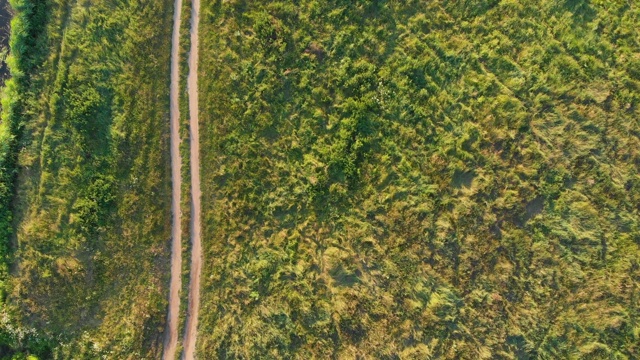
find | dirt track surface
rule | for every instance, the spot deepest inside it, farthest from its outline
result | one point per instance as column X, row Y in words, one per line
column 171, row 332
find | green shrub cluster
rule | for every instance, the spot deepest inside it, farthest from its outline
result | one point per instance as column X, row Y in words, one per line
column 27, row 53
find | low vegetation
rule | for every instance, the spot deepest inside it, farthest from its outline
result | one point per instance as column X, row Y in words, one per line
column 87, row 112
column 17, row 95
column 420, row 179
column 388, row 180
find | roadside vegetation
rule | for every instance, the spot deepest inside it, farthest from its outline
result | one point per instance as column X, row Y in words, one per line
column 85, row 119
column 16, row 340
column 420, row 179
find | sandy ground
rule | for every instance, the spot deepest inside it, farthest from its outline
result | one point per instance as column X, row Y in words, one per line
column 171, row 333
column 196, row 246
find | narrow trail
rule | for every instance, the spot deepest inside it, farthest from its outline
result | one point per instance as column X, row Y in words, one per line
column 171, row 332
column 196, row 246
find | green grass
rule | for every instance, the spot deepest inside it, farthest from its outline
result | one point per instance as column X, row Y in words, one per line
column 185, row 45
column 391, row 180
column 420, row 179
column 92, row 211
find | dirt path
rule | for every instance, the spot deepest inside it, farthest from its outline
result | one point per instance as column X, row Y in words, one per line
column 171, row 332
column 196, row 247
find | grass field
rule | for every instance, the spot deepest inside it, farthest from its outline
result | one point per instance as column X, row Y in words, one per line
column 92, row 214
column 381, row 179
column 420, row 179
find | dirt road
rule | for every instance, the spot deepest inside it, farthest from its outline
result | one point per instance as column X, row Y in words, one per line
column 196, row 247
column 171, row 332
